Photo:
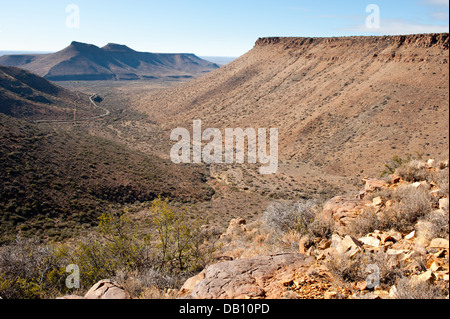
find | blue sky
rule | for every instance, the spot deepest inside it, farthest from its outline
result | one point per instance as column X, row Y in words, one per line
column 205, row 27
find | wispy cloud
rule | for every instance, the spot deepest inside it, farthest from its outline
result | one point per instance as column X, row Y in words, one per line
column 442, row 6
column 399, row 27
column 438, row 2
column 441, row 16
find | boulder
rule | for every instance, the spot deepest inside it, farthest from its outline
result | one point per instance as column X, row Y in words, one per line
column 361, row 285
column 439, row 243
column 335, row 240
column 427, row 276
column 434, row 266
column 397, row 252
column 107, row 289
column 236, row 226
column 343, row 211
column 395, row 179
column 370, row 241
column 377, row 201
column 190, row 284
column 302, row 245
column 393, row 291
column 443, row 204
column 72, row 297
column 422, row 184
column 374, row 184
column 411, row 235
column 333, row 295
column 440, row 254
column 324, row 244
column 392, row 236
column 257, row 277
column 349, row 245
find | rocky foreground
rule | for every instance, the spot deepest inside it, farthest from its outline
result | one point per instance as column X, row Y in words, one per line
column 406, row 261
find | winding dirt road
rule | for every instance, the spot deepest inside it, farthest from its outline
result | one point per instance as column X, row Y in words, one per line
column 107, row 113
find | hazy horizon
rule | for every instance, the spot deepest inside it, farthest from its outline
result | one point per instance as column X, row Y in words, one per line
column 205, row 28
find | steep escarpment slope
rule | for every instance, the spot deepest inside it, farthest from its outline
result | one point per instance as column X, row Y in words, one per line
column 86, row 62
column 342, row 105
column 28, row 96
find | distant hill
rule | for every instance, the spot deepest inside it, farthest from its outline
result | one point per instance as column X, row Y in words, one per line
column 21, row 52
column 28, row 96
column 219, row 60
column 86, row 62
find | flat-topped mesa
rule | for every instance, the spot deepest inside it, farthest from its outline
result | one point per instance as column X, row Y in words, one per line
column 117, row 47
column 440, row 40
column 87, row 62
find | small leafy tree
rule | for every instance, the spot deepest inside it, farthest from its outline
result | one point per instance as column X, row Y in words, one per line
column 180, row 240
column 397, row 161
column 116, row 248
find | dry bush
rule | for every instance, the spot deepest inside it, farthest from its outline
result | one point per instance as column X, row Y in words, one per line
column 321, row 228
column 433, row 225
column 138, row 282
column 410, row 205
column 255, row 240
column 411, row 173
column 385, row 193
column 345, row 267
column 389, row 268
column 365, row 223
column 154, row 293
column 282, row 217
column 442, row 179
column 360, row 267
column 414, row 200
column 290, row 241
column 287, row 223
column 414, row 171
column 411, row 288
column 29, row 270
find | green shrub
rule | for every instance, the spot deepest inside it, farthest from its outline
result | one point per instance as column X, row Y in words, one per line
column 397, row 162
column 391, row 166
column 115, row 248
column 181, row 247
column 182, row 244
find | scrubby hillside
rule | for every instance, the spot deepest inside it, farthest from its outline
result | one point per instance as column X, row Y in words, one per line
column 389, row 241
column 28, row 96
column 54, row 182
column 343, row 106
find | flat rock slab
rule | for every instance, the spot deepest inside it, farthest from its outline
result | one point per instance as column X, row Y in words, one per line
column 255, row 277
